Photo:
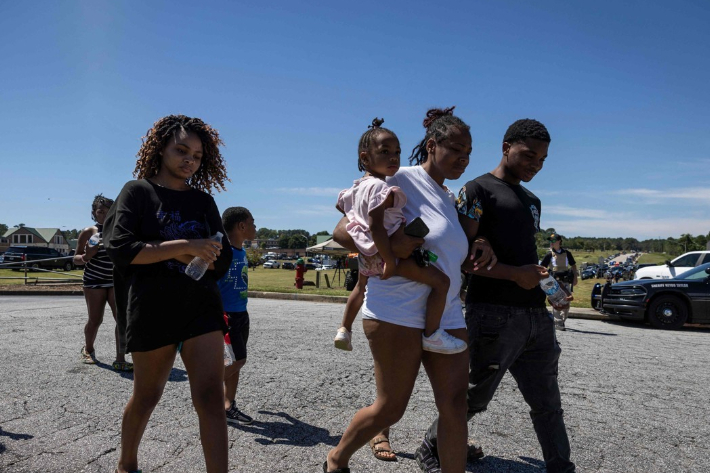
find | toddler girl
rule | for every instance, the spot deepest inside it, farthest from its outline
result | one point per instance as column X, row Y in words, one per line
column 374, row 210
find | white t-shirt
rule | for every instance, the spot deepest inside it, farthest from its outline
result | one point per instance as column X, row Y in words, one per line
column 403, row 302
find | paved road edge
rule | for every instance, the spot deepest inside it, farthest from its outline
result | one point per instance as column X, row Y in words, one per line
column 577, row 313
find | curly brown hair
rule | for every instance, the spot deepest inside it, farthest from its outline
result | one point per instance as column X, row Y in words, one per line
column 212, row 173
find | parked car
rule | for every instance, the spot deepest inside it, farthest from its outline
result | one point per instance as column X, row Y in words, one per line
column 32, row 256
column 588, row 273
column 671, row 269
column 664, row 304
column 312, row 265
column 288, row 265
column 272, row 265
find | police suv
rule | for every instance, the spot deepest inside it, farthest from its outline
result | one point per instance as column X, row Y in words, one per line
column 666, row 303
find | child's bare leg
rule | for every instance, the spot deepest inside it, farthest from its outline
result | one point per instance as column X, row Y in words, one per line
column 439, row 283
column 355, row 301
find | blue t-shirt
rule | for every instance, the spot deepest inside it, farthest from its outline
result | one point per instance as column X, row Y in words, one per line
column 235, row 282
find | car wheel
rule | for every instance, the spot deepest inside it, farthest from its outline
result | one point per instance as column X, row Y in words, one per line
column 35, row 267
column 68, row 266
column 667, row 312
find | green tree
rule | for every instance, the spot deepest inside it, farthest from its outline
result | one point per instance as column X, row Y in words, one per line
column 283, row 240
column 3, row 229
column 687, row 241
column 253, row 257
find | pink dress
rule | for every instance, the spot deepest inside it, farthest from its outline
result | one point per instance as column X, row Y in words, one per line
column 357, row 202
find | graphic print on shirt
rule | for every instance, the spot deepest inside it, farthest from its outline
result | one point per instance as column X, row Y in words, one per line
column 536, row 217
column 176, row 229
column 475, row 211
column 238, row 284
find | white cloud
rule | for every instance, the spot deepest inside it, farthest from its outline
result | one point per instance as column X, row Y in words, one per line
column 316, row 191
column 699, row 194
column 320, row 210
column 577, row 212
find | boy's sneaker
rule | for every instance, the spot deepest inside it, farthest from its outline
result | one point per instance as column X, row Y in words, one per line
column 235, row 416
column 442, row 342
column 343, row 339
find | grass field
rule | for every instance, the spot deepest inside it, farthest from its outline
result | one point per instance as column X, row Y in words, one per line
column 282, row 280
column 260, row 279
column 34, row 275
column 657, row 258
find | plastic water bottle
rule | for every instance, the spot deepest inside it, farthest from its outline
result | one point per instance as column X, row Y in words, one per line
column 229, row 356
column 198, row 267
column 94, row 240
column 556, row 294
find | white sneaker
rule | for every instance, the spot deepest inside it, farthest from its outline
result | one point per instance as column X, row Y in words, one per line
column 443, row 342
column 342, row 339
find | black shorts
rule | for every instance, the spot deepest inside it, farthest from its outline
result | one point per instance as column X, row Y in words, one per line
column 238, row 323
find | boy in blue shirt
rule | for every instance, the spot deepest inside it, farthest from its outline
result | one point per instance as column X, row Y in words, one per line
column 239, row 225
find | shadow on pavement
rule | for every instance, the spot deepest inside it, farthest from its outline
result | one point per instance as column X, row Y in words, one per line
column 490, row 464
column 122, row 374
column 690, row 328
column 590, row 333
column 13, row 436
column 293, row 432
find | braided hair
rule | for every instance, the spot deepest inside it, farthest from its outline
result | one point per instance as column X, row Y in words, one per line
column 211, row 173
column 366, row 139
column 526, row 128
column 439, row 124
column 100, row 201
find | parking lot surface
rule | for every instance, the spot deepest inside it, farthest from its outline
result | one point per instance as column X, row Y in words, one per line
column 635, row 399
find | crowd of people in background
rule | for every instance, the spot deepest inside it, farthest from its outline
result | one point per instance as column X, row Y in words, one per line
column 414, row 236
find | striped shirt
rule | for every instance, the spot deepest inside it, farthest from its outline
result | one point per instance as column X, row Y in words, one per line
column 98, row 271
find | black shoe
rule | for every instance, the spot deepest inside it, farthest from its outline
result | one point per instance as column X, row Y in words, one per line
column 427, row 457
column 235, row 416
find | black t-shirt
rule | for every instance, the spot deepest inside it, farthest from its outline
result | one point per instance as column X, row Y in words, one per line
column 162, row 305
column 509, row 216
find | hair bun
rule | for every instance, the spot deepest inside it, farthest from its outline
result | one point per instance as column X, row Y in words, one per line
column 436, row 113
column 377, row 122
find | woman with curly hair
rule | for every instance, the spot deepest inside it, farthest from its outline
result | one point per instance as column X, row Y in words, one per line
column 98, row 284
column 158, row 224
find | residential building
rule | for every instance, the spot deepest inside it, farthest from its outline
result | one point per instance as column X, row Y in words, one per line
column 31, row 236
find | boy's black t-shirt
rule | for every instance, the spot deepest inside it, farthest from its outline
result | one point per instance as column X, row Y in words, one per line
column 509, row 217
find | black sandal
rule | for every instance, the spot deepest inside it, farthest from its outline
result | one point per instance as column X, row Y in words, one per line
column 337, row 470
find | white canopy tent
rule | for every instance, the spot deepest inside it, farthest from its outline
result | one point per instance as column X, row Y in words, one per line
column 328, row 247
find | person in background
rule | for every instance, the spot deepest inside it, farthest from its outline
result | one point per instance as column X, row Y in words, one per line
column 239, row 225
column 98, row 285
column 564, row 269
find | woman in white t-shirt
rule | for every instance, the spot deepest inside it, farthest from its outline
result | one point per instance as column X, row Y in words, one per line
column 394, row 309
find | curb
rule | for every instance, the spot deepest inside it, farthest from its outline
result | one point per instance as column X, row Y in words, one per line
column 575, row 313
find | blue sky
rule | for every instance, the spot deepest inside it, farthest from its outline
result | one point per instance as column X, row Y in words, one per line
column 291, row 86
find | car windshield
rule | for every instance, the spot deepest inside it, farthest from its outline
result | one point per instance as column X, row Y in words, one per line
column 696, row 273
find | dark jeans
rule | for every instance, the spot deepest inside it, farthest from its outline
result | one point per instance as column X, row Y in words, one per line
column 523, row 341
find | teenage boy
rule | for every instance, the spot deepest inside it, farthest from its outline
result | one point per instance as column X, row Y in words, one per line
column 509, row 327
column 564, row 270
column 239, row 225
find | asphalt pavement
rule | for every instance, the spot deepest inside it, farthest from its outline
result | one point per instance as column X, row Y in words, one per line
column 635, row 398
